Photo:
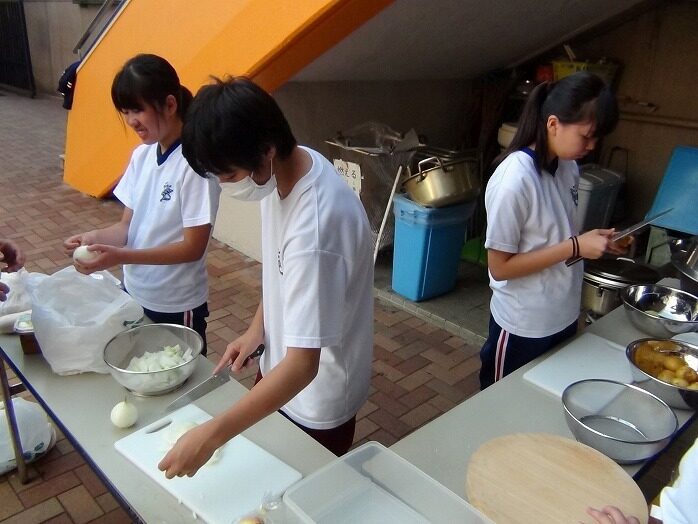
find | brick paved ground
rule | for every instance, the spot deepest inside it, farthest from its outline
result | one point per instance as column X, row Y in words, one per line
column 419, row 371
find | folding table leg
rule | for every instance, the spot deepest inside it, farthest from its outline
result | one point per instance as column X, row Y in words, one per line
column 12, row 422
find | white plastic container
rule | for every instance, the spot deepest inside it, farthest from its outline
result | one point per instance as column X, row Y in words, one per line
column 598, row 191
column 506, row 133
column 372, row 484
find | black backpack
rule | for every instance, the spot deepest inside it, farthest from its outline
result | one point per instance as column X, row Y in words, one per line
column 66, row 84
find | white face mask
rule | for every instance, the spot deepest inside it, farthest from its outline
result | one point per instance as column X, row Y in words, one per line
column 248, row 190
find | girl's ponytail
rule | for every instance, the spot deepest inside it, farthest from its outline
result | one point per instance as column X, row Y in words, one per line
column 531, row 128
column 184, row 101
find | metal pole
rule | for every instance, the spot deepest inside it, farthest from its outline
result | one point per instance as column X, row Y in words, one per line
column 12, row 423
column 385, row 215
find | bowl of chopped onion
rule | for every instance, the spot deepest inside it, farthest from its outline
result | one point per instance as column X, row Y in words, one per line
column 153, row 359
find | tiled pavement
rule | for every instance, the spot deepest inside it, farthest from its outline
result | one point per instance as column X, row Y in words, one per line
column 419, row 370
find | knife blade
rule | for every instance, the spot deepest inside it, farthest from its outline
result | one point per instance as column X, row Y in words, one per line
column 198, row 391
column 629, row 230
column 208, row 385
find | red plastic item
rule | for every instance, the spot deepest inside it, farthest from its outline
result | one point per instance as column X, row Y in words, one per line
column 544, row 73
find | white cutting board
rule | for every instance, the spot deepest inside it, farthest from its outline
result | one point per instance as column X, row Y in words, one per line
column 587, row 356
column 220, row 492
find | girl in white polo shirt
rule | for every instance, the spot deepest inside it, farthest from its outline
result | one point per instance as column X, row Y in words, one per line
column 169, row 210
column 531, row 202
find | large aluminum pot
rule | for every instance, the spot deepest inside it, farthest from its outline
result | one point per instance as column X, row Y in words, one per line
column 604, row 279
column 438, row 183
column 687, row 264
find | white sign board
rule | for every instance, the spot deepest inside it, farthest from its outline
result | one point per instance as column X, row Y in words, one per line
column 351, row 173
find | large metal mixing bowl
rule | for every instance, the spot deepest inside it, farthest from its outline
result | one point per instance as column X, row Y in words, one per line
column 675, row 396
column 660, row 311
column 622, row 421
column 151, row 338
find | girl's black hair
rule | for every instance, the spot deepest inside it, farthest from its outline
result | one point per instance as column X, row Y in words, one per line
column 234, row 123
column 148, row 79
column 581, row 97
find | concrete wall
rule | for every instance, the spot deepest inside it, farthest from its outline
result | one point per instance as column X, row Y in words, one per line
column 54, row 27
column 659, row 51
column 318, row 110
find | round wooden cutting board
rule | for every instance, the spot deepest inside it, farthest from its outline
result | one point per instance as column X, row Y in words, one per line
column 535, row 477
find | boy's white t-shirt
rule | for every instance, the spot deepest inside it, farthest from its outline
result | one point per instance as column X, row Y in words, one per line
column 527, row 211
column 317, row 270
column 165, row 199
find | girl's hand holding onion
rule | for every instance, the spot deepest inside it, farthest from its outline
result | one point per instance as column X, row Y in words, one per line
column 106, row 257
column 70, row 244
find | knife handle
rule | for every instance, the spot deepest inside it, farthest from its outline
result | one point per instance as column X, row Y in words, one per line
column 255, row 354
column 572, row 261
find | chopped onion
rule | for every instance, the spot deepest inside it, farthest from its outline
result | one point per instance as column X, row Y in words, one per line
column 179, row 428
column 167, row 358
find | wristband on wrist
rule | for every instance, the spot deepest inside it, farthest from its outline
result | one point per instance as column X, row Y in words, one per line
column 575, row 246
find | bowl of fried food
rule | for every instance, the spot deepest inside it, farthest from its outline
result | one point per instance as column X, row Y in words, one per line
column 667, row 368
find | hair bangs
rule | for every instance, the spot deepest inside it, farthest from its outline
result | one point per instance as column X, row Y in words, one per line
column 127, row 91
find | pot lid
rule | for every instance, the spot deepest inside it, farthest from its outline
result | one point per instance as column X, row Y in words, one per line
column 620, row 270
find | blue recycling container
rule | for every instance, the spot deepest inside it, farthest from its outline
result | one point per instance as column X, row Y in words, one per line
column 427, row 247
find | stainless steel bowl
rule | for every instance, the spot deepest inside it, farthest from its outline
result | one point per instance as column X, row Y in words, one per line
column 151, row 338
column 622, row 421
column 660, row 311
column 675, row 396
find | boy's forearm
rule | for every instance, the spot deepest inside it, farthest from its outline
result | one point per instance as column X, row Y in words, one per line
column 276, row 389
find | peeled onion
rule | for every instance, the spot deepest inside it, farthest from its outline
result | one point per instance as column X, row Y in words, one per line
column 124, row 414
column 82, row 254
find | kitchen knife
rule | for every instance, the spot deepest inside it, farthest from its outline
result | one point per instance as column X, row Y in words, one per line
column 627, row 231
column 208, row 385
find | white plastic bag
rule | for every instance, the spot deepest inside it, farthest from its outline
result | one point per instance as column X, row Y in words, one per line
column 74, row 317
column 35, row 432
column 18, row 299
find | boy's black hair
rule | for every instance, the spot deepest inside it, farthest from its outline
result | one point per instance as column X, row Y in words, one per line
column 234, row 123
column 578, row 98
column 148, row 79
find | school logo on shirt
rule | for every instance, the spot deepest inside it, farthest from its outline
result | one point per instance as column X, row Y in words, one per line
column 166, row 192
column 278, row 261
column 575, row 195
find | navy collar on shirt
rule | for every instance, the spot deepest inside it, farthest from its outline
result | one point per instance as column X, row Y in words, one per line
column 161, row 157
column 550, row 168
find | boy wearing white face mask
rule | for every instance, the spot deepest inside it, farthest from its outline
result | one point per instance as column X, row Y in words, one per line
column 316, row 315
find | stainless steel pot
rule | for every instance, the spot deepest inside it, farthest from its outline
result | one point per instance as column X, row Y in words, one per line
column 687, row 264
column 439, row 184
column 605, row 278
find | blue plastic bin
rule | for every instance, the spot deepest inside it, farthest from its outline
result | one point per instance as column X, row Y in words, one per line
column 427, row 247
